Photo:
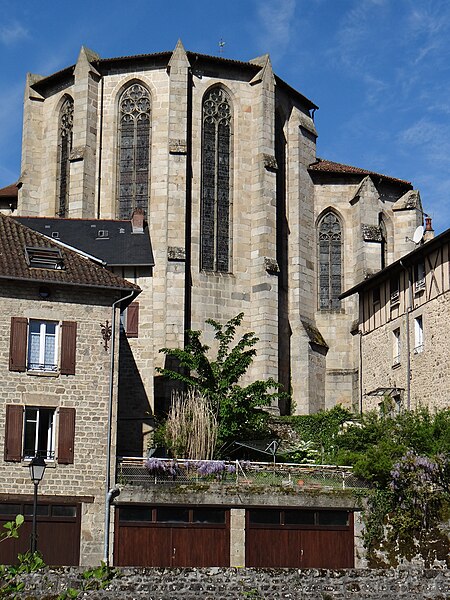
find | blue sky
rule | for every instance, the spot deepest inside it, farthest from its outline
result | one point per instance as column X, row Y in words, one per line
column 379, row 70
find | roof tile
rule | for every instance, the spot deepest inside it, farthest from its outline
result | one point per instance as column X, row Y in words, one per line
column 78, row 270
column 328, row 166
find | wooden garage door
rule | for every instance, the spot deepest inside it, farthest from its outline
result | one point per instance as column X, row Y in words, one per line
column 151, row 536
column 299, row 538
column 58, row 530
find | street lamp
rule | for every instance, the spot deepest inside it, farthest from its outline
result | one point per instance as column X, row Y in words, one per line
column 37, row 470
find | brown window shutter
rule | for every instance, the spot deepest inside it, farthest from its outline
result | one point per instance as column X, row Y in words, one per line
column 13, row 432
column 18, row 344
column 66, row 436
column 133, row 320
column 68, row 347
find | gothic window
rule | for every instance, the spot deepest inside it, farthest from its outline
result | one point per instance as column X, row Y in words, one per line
column 330, row 261
column 384, row 246
column 134, row 150
column 215, row 199
column 64, row 148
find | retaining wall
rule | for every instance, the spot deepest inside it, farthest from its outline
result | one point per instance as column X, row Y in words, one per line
column 248, row 584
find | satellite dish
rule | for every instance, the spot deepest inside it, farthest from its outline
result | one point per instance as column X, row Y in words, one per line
column 418, row 234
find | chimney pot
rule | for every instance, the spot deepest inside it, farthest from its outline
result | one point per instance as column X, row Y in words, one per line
column 137, row 220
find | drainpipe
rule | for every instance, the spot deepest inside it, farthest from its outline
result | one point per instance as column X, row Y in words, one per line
column 360, row 374
column 408, row 344
column 110, row 493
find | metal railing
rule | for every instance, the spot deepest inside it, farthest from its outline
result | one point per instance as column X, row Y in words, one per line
column 164, row 472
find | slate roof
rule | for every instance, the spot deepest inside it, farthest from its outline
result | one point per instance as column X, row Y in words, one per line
column 328, row 166
column 78, row 270
column 164, row 57
column 117, row 246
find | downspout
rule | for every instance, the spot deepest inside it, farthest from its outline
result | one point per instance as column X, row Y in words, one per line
column 360, row 374
column 109, row 493
column 100, row 148
column 408, row 344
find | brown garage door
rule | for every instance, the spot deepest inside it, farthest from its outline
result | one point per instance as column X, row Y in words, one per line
column 58, row 530
column 152, row 536
column 299, row 538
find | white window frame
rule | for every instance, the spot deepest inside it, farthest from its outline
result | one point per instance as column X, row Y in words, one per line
column 418, row 334
column 396, row 346
column 41, row 365
column 419, row 274
column 394, row 291
column 38, row 423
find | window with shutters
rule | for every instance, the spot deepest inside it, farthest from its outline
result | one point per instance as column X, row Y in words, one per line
column 215, row 194
column 39, row 431
column 330, row 261
column 39, row 346
column 42, row 346
column 134, row 150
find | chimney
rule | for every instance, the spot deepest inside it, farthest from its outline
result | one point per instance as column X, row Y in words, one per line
column 137, row 221
column 429, row 231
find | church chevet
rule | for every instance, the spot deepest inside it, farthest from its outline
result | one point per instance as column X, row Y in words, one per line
column 211, row 164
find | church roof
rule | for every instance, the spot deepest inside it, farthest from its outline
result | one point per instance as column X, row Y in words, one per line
column 164, row 57
column 328, row 166
column 112, row 241
column 29, row 256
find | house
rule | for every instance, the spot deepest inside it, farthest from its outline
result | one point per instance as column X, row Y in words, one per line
column 124, row 248
column 58, row 365
column 403, row 329
column 220, row 156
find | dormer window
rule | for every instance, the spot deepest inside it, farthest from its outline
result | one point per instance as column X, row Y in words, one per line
column 44, row 258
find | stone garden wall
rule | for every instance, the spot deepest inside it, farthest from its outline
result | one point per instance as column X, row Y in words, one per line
column 248, row 584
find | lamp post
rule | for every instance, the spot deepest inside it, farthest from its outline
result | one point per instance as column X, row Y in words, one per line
column 37, row 469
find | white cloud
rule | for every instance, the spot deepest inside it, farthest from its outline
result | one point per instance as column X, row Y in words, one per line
column 276, row 19
column 432, row 138
column 12, row 33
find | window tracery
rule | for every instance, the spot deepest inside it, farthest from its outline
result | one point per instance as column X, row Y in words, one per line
column 215, row 199
column 134, row 150
column 330, row 261
column 64, row 148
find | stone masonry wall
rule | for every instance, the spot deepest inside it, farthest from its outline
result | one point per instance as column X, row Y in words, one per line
column 257, row 584
column 377, row 351
column 87, row 391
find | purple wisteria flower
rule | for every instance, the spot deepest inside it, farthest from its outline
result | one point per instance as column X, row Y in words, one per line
column 156, row 466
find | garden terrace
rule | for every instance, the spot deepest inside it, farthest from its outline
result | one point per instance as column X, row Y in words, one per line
column 151, row 472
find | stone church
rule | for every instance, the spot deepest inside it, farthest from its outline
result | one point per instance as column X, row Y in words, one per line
column 214, row 162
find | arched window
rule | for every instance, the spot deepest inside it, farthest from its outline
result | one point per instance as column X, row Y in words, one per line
column 330, row 261
column 64, row 147
column 134, row 150
column 215, row 199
